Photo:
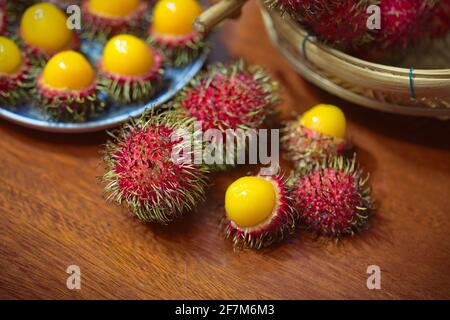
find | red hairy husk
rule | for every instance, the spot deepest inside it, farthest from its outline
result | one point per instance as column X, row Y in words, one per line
column 332, row 198
column 142, row 174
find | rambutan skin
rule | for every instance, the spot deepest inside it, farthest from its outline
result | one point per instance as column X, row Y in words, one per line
column 181, row 50
column 128, row 89
column 230, row 97
column 403, row 22
column 332, row 197
column 68, row 106
column 143, row 176
column 441, row 19
column 227, row 98
column 101, row 28
column 13, row 88
column 282, row 224
column 305, row 147
column 340, row 23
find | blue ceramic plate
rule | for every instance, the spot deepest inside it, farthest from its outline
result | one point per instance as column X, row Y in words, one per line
column 174, row 79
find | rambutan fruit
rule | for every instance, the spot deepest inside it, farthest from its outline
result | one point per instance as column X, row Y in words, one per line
column 43, row 29
column 144, row 175
column 340, row 23
column 103, row 18
column 259, row 211
column 317, row 134
column 67, row 88
column 332, row 197
column 230, row 97
column 403, row 22
column 441, row 19
column 130, row 69
column 15, row 75
column 172, row 31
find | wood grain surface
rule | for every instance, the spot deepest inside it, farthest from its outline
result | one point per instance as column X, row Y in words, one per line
column 53, row 214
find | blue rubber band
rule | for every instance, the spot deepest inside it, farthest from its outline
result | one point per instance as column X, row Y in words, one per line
column 305, row 40
column 411, row 83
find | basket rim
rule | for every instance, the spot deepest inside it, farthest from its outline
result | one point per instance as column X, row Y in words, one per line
column 442, row 73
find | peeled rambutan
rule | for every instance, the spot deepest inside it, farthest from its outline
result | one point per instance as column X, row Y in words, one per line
column 144, row 176
column 130, row 68
column 44, row 31
column 230, row 97
column 67, row 88
column 259, row 211
column 15, row 74
column 332, row 197
column 317, row 134
column 172, row 31
column 103, row 18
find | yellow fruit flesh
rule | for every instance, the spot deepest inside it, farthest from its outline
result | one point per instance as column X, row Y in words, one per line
column 113, row 8
column 250, row 201
column 326, row 119
column 127, row 55
column 44, row 26
column 10, row 56
column 68, row 70
column 175, row 17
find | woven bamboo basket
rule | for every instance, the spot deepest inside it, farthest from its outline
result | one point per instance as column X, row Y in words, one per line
column 405, row 90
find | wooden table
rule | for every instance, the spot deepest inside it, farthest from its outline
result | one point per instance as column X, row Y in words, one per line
column 53, row 214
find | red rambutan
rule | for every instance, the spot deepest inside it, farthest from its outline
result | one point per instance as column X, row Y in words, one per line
column 230, row 97
column 44, row 31
column 172, row 31
column 143, row 174
column 441, row 19
column 304, row 146
column 403, row 22
column 103, row 18
column 317, row 134
column 15, row 74
column 259, row 211
column 67, row 88
column 332, row 198
column 340, row 23
column 130, row 68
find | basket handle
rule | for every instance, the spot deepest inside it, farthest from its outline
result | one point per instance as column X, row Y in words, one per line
column 217, row 13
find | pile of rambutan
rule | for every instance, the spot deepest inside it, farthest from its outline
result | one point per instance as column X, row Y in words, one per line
column 343, row 24
column 327, row 193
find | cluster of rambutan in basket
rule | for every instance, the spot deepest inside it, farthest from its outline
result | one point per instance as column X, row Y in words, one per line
column 370, row 29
